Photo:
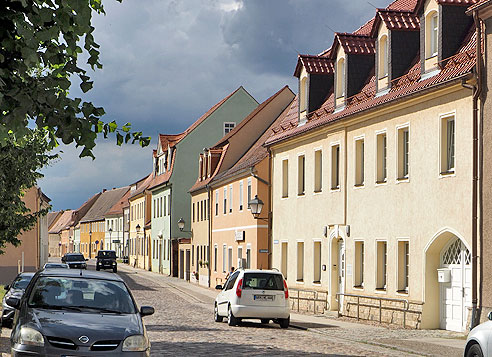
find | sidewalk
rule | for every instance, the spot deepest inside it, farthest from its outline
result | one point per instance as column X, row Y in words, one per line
column 418, row 342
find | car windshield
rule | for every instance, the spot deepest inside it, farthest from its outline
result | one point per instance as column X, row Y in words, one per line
column 74, row 258
column 109, row 254
column 264, row 281
column 90, row 295
column 21, row 282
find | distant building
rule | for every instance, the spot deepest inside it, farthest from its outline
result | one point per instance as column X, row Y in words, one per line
column 33, row 250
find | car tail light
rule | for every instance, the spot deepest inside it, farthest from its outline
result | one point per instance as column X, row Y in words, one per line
column 239, row 288
column 286, row 290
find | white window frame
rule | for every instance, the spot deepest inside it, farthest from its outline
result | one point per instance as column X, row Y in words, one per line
column 443, row 145
column 362, row 182
column 227, row 128
column 299, row 193
column 406, row 266
column 334, row 188
column 230, row 198
column 361, row 271
column 383, row 57
column 400, row 156
column 383, row 289
column 241, row 194
column 318, row 172
column 384, row 162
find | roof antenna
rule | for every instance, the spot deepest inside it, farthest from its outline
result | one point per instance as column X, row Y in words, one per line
column 372, row 5
column 330, row 28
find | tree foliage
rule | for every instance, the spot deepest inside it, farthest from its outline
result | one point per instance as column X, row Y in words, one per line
column 20, row 160
column 40, row 42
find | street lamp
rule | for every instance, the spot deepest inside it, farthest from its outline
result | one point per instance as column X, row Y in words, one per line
column 181, row 225
column 110, row 241
column 256, row 206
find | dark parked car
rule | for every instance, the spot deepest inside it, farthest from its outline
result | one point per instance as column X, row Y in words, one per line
column 75, row 260
column 78, row 313
column 15, row 289
column 106, row 259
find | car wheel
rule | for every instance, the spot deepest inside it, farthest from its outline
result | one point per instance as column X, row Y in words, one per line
column 115, row 270
column 97, row 268
column 231, row 320
column 474, row 351
column 265, row 321
column 217, row 317
column 284, row 323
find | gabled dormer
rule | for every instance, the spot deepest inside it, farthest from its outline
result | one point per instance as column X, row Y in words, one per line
column 443, row 26
column 315, row 74
column 397, row 44
column 207, row 162
column 353, row 57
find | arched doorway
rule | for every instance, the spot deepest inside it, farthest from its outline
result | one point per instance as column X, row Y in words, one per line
column 455, row 295
column 446, row 303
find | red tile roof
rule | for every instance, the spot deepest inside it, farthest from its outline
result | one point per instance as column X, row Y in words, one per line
column 142, row 185
column 453, row 68
column 403, row 5
column 314, row 64
column 478, row 5
column 396, row 21
column 118, row 206
column 170, row 139
column 354, row 44
column 457, row 2
column 63, row 222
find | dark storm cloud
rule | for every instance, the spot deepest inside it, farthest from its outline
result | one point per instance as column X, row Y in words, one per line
column 167, row 62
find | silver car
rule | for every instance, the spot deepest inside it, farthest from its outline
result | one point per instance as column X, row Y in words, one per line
column 479, row 341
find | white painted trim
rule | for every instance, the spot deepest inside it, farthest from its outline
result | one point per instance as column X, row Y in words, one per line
column 397, row 161
column 240, row 227
column 443, row 116
column 376, row 134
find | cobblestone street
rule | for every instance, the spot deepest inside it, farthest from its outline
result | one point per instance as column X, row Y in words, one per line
column 183, row 325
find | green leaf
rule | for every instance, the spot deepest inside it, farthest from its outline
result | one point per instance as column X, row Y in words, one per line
column 113, row 126
column 86, row 86
column 119, row 139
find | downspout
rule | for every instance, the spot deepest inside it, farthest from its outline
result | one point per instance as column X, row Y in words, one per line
column 209, row 215
column 477, row 89
column 345, row 191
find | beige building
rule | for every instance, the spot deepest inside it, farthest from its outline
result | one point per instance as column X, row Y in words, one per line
column 232, row 172
column 372, row 177
column 32, row 253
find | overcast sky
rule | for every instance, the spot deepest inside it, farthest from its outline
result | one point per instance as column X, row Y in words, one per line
column 166, row 62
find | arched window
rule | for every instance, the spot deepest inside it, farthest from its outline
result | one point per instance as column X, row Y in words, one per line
column 431, row 34
column 341, row 78
column 383, row 57
column 303, row 95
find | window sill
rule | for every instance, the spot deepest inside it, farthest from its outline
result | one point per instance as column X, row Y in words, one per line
column 299, row 281
column 383, row 182
column 381, row 290
column 335, row 189
column 431, row 56
column 359, row 185
column 358, row 287
column 300, row 195
column 402, row 292
column 447, row 173
column 403, row 179
column 317, row 282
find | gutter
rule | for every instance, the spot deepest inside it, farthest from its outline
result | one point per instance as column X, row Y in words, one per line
column 477, row 90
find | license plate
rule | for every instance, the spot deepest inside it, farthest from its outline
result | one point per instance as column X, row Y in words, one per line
column 264, row 297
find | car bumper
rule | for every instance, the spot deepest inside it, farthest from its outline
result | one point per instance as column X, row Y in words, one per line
column 260, row 312
column 77, row 266
column 23, row 350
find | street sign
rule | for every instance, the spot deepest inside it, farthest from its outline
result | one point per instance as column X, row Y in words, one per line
column 116, row 241
column 263, row 250
column 97, row 242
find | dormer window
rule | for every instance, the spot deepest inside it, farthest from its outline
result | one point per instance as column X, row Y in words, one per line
column 341, row 78
column 431, row 26
column 383, row 57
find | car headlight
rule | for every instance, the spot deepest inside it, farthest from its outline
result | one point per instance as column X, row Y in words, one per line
column 135, row 343
column 30, row 336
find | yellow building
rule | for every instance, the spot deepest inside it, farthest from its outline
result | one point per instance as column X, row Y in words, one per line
column 372, row 177
column 92, row 223
column 232, row 172
column 140, row 209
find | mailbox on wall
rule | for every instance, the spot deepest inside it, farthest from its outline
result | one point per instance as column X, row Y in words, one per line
column 444, row 275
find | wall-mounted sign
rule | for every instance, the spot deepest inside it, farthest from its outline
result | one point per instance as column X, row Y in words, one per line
column 116, row 241
column 275, row 241
column 263, row 250
column 239, row 235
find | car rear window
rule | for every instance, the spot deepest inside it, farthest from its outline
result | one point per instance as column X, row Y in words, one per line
column 263, row 281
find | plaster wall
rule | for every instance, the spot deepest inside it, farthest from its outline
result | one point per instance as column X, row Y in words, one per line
column 200, row 236
column 161, row 225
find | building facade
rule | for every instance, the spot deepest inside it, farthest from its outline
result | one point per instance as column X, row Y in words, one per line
column 382, row 136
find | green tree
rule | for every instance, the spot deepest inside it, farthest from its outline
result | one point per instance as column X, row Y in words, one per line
column 20, row 160
column 40, row 44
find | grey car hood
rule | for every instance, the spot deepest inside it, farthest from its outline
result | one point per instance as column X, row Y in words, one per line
column 96, row 326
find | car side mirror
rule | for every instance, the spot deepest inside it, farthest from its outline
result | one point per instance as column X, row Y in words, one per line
column 7, row 287
column 218, row 287
column 489, row 316
column 14, row 302
column 63, row 259
column 86, row 259
column 146, row 311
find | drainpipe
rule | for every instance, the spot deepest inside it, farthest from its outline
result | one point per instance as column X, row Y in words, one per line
column 477, row 89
